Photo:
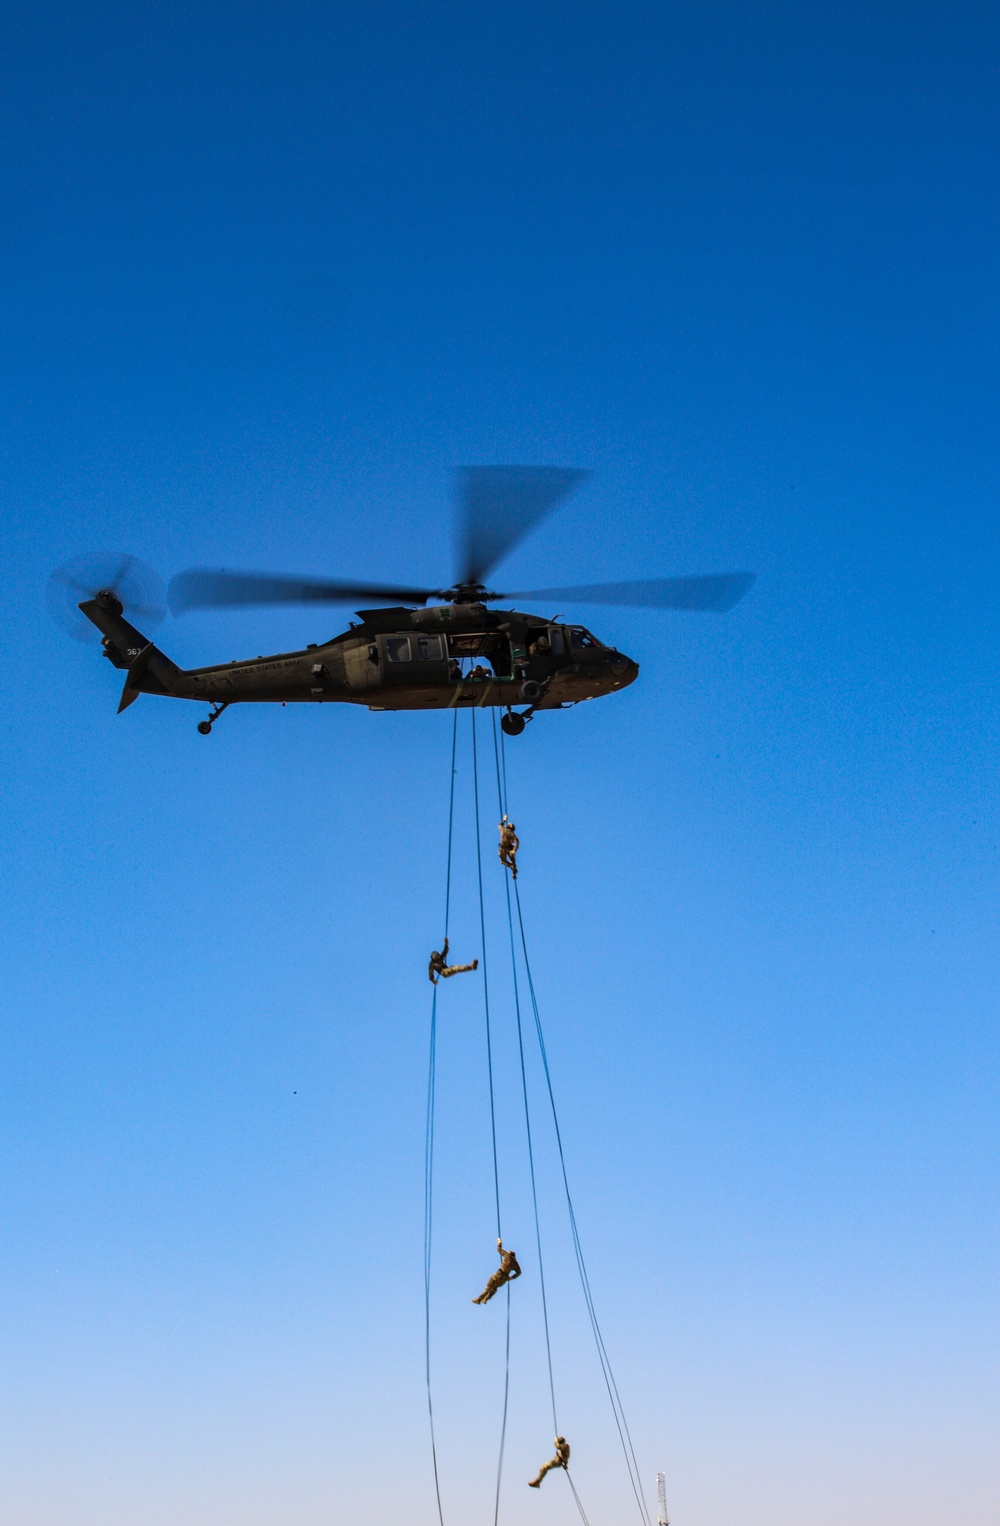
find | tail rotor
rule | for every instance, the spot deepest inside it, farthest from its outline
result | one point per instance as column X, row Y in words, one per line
column 138, row 589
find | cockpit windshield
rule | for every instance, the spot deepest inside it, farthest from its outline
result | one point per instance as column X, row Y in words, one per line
column 580, row 638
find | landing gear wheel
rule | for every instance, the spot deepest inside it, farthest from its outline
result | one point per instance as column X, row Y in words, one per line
column 530, row 691
column 213, row 715
column 512, row 724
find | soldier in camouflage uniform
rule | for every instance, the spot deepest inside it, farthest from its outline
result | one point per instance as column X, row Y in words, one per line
column 505, row 1272
column 509, row 844
column 440, row 968
column 560, row 1460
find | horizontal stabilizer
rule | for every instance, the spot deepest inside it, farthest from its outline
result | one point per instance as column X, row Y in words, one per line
column 137, row 668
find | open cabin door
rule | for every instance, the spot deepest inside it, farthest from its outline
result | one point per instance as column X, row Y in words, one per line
column 480, row 656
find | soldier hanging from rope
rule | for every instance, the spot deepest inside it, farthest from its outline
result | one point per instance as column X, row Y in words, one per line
column 440, row 968
column 509, row 844
column 505, row 1272
column 560, row 1460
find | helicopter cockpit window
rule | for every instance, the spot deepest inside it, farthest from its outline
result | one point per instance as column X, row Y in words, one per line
column 581, row 638
column 397, row 648
column 429, row 649
column 557, row 640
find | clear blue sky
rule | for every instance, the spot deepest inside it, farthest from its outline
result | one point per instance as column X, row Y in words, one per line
column 268, row 274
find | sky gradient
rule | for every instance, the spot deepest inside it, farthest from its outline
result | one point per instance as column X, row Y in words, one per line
column 269, row 275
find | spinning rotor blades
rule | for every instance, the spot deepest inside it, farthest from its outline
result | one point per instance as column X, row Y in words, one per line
column 204, row 589
column 500, row 504
column 699, row 593
column 137, row 586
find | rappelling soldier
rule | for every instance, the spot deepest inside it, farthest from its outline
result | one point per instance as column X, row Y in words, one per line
column 440, row 968
column 505, row 1272
column 560, row 1460
column 509, row 844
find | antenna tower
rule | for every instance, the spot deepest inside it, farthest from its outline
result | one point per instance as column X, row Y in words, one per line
column 662, row 1518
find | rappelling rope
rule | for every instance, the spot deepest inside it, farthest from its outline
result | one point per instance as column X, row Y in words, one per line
column 503, row 1423
column 579, row 1506
column 429, row 1141
column 493, row 1115
column 502, row 794
column 527, row 1113
column 621, row 1423
column 486, row 980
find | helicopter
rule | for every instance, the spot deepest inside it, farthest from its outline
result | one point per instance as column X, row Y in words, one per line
column 454, row 653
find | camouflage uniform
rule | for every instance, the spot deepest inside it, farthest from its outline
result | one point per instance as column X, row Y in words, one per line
column 506, row 1272
column 439, row 965
column 509, row 844
column 560, row 1460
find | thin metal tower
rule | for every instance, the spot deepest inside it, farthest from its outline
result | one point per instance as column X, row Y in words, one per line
column 662, row 1518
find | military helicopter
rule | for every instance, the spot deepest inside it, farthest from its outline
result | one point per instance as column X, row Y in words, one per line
column 457, row 652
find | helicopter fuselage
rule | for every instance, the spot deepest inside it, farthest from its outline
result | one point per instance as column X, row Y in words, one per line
column 437, row 658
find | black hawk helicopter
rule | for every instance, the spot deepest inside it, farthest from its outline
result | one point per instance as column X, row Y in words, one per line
column 455, row 653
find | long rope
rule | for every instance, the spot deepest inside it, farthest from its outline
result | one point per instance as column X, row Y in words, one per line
column 579, row 1503
column 493, row 1114
column 621, row 1423
column 429, row 1143
column 501, row 792
column 609, row 1378
column 503, row 1423
column 501, row 765
column 486, row 982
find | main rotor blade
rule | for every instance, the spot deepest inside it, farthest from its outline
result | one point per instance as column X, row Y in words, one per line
column 699, row 593
column 500, row 504
column 201, row 588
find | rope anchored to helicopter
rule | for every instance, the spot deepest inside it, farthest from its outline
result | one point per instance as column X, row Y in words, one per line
column 510, row 1269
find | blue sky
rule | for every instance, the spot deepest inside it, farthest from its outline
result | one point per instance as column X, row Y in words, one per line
column 268, row 276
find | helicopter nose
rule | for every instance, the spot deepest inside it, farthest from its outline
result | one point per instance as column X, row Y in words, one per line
column 624, row 669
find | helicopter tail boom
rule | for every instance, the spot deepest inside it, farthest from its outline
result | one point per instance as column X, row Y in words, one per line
column 147, row 669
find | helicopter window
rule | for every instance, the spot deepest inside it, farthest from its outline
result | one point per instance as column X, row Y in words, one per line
column 429, row 648
column 582, row 638
column 557, row 641
column 397, row 648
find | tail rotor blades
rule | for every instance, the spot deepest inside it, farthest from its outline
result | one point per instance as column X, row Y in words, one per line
column 202, row 588
column 136, row 585
column 716, row 594
column 500, row 504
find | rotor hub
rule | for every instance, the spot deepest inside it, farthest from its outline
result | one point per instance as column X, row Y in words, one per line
column 470, row 593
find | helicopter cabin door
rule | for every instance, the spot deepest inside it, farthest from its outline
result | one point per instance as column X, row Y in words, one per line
column 413, row 658
column 480, row 656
